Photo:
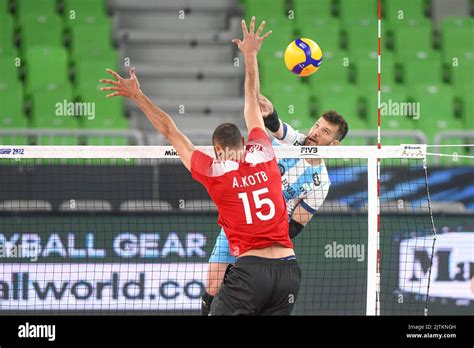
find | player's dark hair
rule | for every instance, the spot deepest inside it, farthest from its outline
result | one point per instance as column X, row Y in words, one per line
column 227, row 135
column 335, row 118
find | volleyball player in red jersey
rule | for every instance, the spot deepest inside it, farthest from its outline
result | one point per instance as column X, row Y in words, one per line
column 244, row 182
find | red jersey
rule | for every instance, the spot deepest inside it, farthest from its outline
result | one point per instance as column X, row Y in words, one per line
column 248, row 195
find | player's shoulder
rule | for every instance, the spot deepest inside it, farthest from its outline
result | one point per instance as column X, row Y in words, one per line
column 297, row 140
column 200, row 161
column 258, row 135
column 300, row 139
column 258, row 149
column 216, row 168
column 219, row 167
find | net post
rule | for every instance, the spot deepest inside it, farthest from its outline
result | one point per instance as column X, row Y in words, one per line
column 372, row 208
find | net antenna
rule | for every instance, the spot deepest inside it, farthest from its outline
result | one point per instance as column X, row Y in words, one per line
column 428, row 196
column 374, row 157
column 425, row 169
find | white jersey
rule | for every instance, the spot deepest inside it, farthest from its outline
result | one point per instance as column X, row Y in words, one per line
column 302, row 183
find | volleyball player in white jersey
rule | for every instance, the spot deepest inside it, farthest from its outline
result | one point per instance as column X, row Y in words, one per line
column 305, row 184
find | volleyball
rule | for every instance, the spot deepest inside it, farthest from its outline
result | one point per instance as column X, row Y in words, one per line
column 303, row 57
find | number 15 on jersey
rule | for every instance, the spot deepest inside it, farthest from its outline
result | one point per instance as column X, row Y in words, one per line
column 259, row 204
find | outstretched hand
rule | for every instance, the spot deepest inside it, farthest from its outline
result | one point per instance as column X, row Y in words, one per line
column 129, row 88
column 251, row 42
column 266, row 106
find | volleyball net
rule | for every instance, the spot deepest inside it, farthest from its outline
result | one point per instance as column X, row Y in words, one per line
column 126, row 230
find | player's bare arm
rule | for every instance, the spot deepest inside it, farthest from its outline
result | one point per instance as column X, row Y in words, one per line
column 298, row 221
column 301, row 215
column 130, row 88
column 249, row 46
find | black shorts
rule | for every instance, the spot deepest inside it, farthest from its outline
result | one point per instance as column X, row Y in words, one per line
column 258, row 286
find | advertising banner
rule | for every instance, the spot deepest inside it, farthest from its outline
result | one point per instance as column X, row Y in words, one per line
column 103, row 287
column 452, row 274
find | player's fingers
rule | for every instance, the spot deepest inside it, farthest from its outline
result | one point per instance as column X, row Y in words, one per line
column 252, row 25
column 109, row 89
column 112, row 82
column 266, row 35
column 132, row 73
column 113, row 95
column 244, row 27
column 260, row 28
column 114, row 74
column 237, row 42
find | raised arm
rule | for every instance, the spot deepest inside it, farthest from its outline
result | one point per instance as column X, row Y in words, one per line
column 270, row 117
column 250, row 45
column 130, row 88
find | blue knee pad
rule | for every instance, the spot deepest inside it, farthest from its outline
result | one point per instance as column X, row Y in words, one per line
column 221, row 251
